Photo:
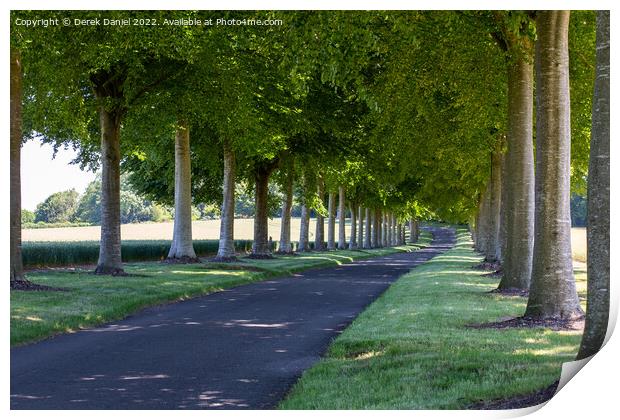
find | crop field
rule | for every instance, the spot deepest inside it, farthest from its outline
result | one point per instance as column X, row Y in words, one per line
column 201, row 229
column 580, row 244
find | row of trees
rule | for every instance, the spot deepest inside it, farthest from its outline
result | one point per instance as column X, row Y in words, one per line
column 525, row 226
column 399, row 116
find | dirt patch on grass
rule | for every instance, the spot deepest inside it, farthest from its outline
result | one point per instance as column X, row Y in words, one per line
column 496, row 274
column 519, row 401
column 234, row 267
column 28, row 286
column 512, row 291
column 555, row 324
column 488, row 266
column 182, row 260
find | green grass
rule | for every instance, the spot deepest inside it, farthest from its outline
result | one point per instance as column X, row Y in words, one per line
column 411, row 348
column 92, row 300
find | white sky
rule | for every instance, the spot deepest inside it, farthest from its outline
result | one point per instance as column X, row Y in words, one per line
column 43, row 176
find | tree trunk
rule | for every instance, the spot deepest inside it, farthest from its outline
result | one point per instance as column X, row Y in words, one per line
column 331, row 222
column 226, row 250
column 360, row 230
column 353, row 238
column 320, row 225
column 501, row 241
column 182, row 249
column 597, row 314
column 517, row 266
column 110, row 244
column 399, row 234
column 287, row 205
column 18, row 280
column 260, row 245
column 304, row 229
column 342, row 240
column 383, row 229
column 367, row 231
column 482, row 225
column 495, row 191
column 552, row 293
column 376, row 219
column 395, row 233
column 389, row 236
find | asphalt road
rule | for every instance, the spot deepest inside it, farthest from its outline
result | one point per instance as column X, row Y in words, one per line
column 242, row 348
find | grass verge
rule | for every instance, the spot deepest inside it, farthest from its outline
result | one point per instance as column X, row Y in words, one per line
column 411, row 348
column 92, row 300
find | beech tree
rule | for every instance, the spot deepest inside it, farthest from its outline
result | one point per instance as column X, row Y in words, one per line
column 552, row 293
column 18, row 279
column 597, row 313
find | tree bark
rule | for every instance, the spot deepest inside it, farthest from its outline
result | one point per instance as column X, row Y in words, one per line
column 320, row 225
column 304, row 229
column 552, row 293
column 383, row 229
column 331, row 222
column 226, row 250
column 518, row 255
column 395, row 233
column 482, row 225
column 389, row 236
column 376, row 222
column 367, row 231
column 182, row 248
column 360, row 230
column 399, row 234
column 501, row 245
column 353, row 238
column 18, row 279
column 597, row 314
column 110, row 245
column 495, row 191
column 260, row 245
column 285, row 246
column 342, row 240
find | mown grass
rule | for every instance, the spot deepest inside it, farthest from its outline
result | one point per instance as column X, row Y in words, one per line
column 91, row 300
column 412, row 349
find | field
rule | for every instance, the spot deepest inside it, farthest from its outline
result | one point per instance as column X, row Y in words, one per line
column 201, row 229
column 579, row 244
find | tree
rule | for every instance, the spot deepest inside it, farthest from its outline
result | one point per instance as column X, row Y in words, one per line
column 17, row 279
column 331, row 221
column 182, row 248
column 597, row 314
column 341, row 218
column 552, row 293
column 226, row 249
column 519, row 197
column 27, row 216
column 287, row 205
column 59, row 207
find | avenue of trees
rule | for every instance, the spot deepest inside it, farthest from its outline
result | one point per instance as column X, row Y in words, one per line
column 486, row 118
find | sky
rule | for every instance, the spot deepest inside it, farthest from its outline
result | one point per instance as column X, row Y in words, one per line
column 42, row 176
